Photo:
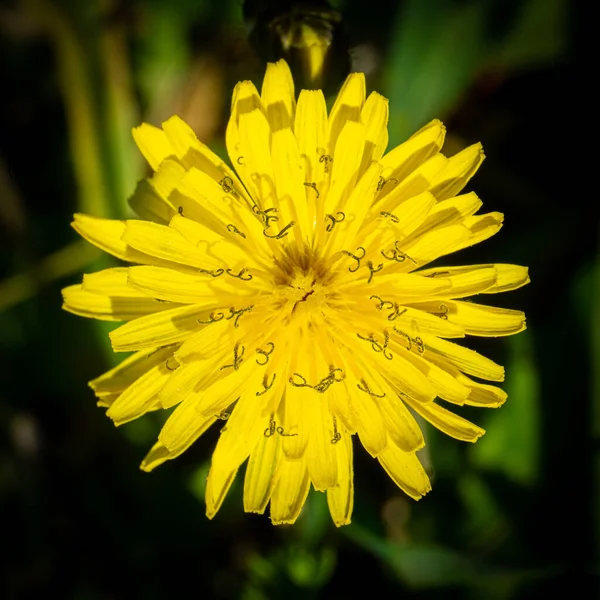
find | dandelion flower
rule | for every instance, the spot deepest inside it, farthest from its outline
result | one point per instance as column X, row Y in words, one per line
column 289, row 303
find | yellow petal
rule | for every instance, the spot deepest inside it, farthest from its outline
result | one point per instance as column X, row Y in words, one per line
column 255, row 147
column 149, row 204
column 177, row 286
column 450, row 212
column 261, row 473
column 295, row 422
column 278, row 95
column 437, row 243
column 347, row 107
column 165, row 243
column 346, row 160
column 289, row 183
column 486, row 321
column 402, row 222
column 417, row 182
column 509, row 277
column 482, row 394
column 103, row 233
column 474, row 279
column 109, row 308
column 448, row 422
column 189, row 379
column 369, row 421
column 409, row 156
column 290, row 492
column 356, row 208
column 160, row 329
column 415, row 322
column 119, row 378
column 183, row 427
column 153, row 144
column 464, row 359
column 340, row 498
column 406, row 471
column 245, row 99
column 217, row 486
column 374, row 116
column 310, row 128
column 106, row 234
column 481, row 227
column 401, row 426
column 457, row 172
column 222, row 393
column 135, row 400
column 321, row 458
column 404, row 377
column 110, row 282
column 244, row 428
column 445, row 383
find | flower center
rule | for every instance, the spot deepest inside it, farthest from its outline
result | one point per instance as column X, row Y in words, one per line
column 302, row 283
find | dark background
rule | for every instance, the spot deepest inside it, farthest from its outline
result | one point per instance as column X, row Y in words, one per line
column 514, row 516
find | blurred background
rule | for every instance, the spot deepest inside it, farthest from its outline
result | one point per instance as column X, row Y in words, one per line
column 514, row 516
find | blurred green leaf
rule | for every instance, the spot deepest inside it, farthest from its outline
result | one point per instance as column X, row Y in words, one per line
column 433, row 57
column 197, row 482
column 539, row 35
column 511, row 444
column 310, row 568
column 418, row 566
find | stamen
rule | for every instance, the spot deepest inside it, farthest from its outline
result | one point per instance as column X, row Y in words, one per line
column 227, row 186
column 241, row 275
column 373, row 270
column 420, row 346
column 236, row 314
column 436, row 273
column 313, row 185
column 337, row 436
column 325, row 158
column 378, row 346
column 382, row 302
column 392, row 217
column 271, row 429
column 214, row 317
column 267, row 386
column 365, row 388
column 445, row 310
column 405, row 336
column 356, row 258
column 323, row 385
column 417, row 341
column 266, row 215
column 238, row 358
column 215, row 273
column 382, row 181
column 171, row 368
column 180, row 210
column 233, row 229
column 240, row 160
column 265, row 353
column 281, row 234
column 337, row 218
column 396, row 254
column 396, row 312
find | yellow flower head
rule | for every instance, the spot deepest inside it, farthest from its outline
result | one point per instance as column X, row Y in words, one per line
column 288, row 300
